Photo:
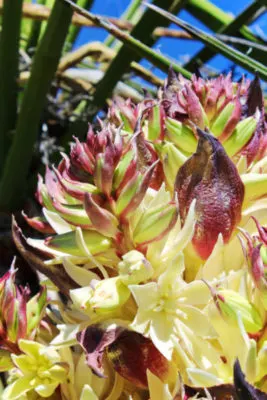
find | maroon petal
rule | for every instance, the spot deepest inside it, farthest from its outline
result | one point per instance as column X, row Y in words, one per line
column 210, row 177
column 254, row 98
column 132, row 354
column 94, row 341
column 194, row 109
column 141, row 191
column 81, row 157
column 244, row 390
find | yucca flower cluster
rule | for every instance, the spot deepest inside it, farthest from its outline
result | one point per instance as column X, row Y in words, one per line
column 148, row 233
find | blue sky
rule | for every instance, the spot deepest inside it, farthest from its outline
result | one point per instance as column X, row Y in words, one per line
column 177, row 49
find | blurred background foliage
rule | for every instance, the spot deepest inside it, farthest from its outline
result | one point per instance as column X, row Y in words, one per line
column 57, row 74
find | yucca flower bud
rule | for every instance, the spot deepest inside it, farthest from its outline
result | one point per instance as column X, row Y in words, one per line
column 172, row 159
column 101, row 297
column 155, row 223
column 19, row 315
column 134, row 268
column 257, row 257
column 103, row 220
column 232, row 112
column 211, row 178
column 231, row 304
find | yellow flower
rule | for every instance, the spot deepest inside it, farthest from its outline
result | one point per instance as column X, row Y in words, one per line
column 39, row 369
column 167, row 313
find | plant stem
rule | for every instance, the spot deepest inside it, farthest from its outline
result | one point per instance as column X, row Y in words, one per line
column 74, row 29
column 215, row 18
column 121, row 63
column 9, row 59
column 44, row 67
column 128, row 15
column 215, row 44
column 204, row 55
column 35, row 30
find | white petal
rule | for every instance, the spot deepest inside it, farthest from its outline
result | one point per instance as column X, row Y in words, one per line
column 67, row 335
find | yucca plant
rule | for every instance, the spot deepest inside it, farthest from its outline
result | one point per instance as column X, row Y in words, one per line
column 66, row 97
column 148, row 235
column 150, row 244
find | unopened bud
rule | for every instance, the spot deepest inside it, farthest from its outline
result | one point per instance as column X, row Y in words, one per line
column 155, row 223
column 134, row 268
column 231, row 303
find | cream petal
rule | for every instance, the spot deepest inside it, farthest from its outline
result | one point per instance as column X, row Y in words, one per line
column 58, row 224
column 157, row 389
column 183, row 238
column 80, row 275
column 161, row 332
column 46, row 390
column 194, row 293
column 146, row 296
column 88, row 393
column 83, row 374
column 200, row 350
column 214, row 264
column 197, row 321
column 141, row 321
column 202, row 378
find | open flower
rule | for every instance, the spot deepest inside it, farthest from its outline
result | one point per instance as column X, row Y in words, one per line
column 39, row 369
column 165, row 310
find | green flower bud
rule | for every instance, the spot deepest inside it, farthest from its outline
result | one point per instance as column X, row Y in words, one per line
column 232, row 303
column 181, row 135
column 172, row 159
column 155, row 123
column 106, row 296
column 155, row 223
column 222, row 119
column 134, row 268
column 241, row 135
column 109, row 294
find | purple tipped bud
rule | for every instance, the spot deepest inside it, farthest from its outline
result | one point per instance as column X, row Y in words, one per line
column 102, row 220
column 81, row 157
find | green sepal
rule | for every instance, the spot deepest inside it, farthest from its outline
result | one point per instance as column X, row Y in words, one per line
column 181, row 135
column 66, row 242
column 222, row 119
column 240, row 136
